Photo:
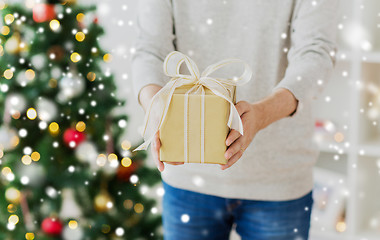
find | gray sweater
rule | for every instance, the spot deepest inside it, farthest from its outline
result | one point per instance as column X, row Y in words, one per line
column 288, row 44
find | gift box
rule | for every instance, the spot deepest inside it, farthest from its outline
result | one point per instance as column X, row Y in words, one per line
column 193, row 113
column 172, row 133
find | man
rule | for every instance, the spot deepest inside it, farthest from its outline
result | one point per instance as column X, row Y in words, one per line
column 265, row 187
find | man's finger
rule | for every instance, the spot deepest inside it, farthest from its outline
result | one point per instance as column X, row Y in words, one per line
column 175, row 163
column 156, row 153
column 236, row 147
column 156, row 159
column 232, row 136
column 232, row 160
column 157, row 143
column 242, row 107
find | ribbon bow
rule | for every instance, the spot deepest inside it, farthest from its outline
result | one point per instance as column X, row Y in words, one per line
column 159, row 104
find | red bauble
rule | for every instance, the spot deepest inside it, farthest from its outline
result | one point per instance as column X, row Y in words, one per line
column 43, row 12
column 124, row 173
column 52, row 226
column 72, row 135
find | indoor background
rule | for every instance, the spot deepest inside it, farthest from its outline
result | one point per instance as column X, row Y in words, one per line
column 347, row 175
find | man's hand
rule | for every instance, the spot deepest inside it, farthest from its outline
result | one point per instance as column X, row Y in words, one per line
column 146, row 94
column 155, row 148
column 257, row 116
column 235, row 141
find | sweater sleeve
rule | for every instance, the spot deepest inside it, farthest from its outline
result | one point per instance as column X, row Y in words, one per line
column 155, row 39
column 311, row 56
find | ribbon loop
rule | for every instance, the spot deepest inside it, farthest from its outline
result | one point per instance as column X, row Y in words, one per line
column 237, row 81
column 173, row 63
column 159, row 104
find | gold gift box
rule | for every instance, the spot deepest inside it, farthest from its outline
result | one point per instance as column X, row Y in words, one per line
column 216, row 113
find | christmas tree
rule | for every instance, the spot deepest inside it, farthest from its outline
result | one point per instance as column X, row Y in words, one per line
column 65, row 171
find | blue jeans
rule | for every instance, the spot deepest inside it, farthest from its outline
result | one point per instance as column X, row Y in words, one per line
column 190, row 215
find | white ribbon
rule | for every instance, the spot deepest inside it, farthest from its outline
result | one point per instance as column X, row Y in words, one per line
column 159, row 104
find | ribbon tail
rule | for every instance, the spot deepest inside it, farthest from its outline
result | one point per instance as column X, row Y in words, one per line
column 161, row 115
column 230, row 118
column 170, row 85
column 144, row 145
column 234, row 120
column 236, row 117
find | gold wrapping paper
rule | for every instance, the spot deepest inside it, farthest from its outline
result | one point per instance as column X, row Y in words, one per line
column 216, row 130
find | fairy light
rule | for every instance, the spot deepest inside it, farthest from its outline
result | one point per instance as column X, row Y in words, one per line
column 107, row 57
column 112, row 157
column 80, row 36
column 29, row 236
column 128, row 203
column 35, row 156
column 8, row 74
column 53, row 83
column 5, row 30
column 13, row 219
column 80, row 17
column 73, row 224
column 75, row 57
column 139, row 208
column 341, row 226
column 126, row 145
column 54, row 128
column 80, row 126
column 54, row 25
column 26, row 159
column 31, row 113
column 12, row 195
column 9, row 18
column 11, row 208
column 91, row 76
column 30, row 74
column 2, row 5
column 16, row 115
column 5, row 171
column 339, row 137
column 101, row 159
column 126, row 162
column 15, row 141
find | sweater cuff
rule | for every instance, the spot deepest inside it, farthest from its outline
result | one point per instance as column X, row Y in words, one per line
column 299, row 103
column 145, row 73
column 299, row 92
